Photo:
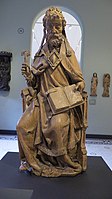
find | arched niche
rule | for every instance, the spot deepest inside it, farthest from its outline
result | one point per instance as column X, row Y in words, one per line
column 73, row 31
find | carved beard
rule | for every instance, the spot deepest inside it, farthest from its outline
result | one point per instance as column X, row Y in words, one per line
column 54, row 40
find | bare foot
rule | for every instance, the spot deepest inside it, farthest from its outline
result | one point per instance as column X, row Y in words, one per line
column 24, row 166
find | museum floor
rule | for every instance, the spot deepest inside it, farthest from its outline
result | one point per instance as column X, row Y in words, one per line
column 95, row 147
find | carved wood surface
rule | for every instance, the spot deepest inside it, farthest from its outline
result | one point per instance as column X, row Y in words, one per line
column 5, row 69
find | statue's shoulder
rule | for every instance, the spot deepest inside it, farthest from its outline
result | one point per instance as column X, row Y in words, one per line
column 40, row 52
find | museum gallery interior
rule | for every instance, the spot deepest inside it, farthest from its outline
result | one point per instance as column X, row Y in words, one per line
column 55, row 99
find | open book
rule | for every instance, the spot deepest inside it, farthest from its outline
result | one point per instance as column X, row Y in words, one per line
column 62, row 99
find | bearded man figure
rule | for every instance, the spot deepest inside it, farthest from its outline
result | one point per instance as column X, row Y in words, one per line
column 50, row 130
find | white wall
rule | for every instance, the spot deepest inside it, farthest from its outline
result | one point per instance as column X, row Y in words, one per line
column 97, row 46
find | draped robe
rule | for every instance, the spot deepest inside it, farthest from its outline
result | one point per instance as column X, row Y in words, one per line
column 43, row 137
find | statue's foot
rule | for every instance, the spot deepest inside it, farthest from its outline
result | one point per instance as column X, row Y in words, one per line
column 25, row 166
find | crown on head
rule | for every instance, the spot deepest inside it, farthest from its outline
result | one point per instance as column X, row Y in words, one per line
column 53, row 14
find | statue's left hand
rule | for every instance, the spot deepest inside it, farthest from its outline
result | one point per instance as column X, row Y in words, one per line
column 80, row 86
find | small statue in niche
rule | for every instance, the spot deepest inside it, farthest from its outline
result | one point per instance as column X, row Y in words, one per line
column 5, row 68
column 106, row 85
column 51, row 134
column 94, row 83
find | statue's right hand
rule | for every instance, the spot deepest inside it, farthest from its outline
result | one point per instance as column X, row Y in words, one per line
column 25, row 70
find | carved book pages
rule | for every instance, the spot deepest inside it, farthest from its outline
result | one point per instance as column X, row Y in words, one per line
column 63, row 98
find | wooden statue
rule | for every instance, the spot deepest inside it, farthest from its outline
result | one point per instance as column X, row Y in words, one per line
column 94, row 83
column 106, row 85
column 5, row 70
column 51, row 131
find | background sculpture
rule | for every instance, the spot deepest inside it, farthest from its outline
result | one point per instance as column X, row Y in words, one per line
column 106, row 85
column 94, row 83
column 51, row 131
column 5, row 68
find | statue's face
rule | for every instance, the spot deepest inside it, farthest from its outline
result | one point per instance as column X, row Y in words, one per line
column 54, row 27
column 94, row 74
column 54, row 33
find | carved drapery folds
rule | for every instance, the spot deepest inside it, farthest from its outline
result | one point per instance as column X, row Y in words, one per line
column 52, row 129
column 94, row 83
column 5, row 69
column 106, row 85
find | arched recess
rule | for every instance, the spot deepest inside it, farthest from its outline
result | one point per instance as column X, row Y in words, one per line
column 73, row 31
